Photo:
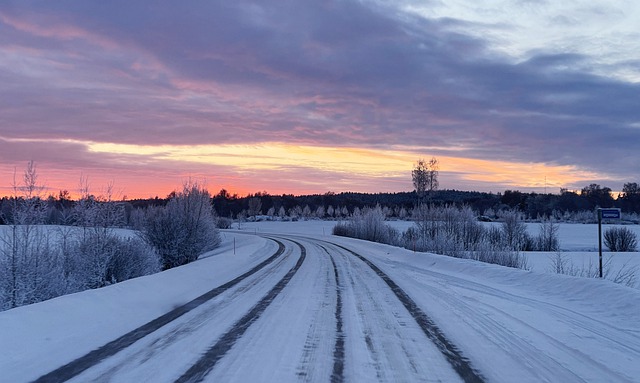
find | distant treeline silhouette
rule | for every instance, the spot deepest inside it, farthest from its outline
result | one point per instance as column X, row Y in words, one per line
column 338, row 205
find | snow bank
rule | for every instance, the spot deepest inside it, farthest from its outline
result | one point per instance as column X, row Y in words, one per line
column 59, row 330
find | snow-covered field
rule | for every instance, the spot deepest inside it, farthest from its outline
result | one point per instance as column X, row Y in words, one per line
column 579, row 248
column 511, row 325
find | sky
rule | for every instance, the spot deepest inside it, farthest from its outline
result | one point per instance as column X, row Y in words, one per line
column 306, row 97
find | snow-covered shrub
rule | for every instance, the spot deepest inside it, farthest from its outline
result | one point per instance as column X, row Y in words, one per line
column 584, row 216
column 515, row 232
column 224, row 223
column 184, row 228
column 100, row 257
column 494, row 254
column 368, row 224
column 444, row 230
column 456, row 232
column 38, row 263
column 620, row 239
column 342, row 229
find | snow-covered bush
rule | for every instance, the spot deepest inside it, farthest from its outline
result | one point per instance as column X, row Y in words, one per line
column 224, row 223
column 184, row 228
column 444, row 230
column 515, row 232
column 620, row 239
column 368, row 224
column 100, row 257
column 488, row 253
column 456, row 232
column 38, row 263
column 583, row 216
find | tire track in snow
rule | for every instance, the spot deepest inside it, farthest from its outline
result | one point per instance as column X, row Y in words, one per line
column 337, row 375
column 207, row 362
column 460, row 364
column 545, row 364
column 140, row 353
column 384, row 342
column 79, row 365
column 307, row 371
column 607, row 331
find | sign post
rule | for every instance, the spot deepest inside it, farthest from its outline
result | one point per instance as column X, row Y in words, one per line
column 613, row 213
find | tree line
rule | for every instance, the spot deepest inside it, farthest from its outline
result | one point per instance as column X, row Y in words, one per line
column 340, row 205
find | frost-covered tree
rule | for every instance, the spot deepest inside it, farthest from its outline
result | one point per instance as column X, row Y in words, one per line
column 330, row 211
column 184, row 228
column 514, row 230
column 306, row 212
column 295, row 212
column 255, row 204
column 271, row 212
column 29, row 270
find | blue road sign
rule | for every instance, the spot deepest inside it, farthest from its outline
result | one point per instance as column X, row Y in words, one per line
column 610, row 213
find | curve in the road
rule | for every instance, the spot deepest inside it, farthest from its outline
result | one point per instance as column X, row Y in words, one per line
column 94, row 357
column 206, row 363
column 460, row 364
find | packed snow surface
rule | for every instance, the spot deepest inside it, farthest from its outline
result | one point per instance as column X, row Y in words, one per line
column 334, row 319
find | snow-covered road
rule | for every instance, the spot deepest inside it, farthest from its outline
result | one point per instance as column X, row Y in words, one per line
column 328, row 309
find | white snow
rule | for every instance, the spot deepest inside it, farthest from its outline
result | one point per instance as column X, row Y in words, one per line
column 37, row 338
column 514, row 325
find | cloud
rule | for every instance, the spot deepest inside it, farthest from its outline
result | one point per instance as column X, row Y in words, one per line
column 330, row 74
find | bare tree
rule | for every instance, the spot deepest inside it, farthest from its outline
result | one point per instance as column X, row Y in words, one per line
column 547, row 239
column 425, row 176
column 306, row 212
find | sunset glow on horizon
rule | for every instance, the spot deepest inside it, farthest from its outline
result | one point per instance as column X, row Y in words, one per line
column 263, row 164
column 311, row 97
